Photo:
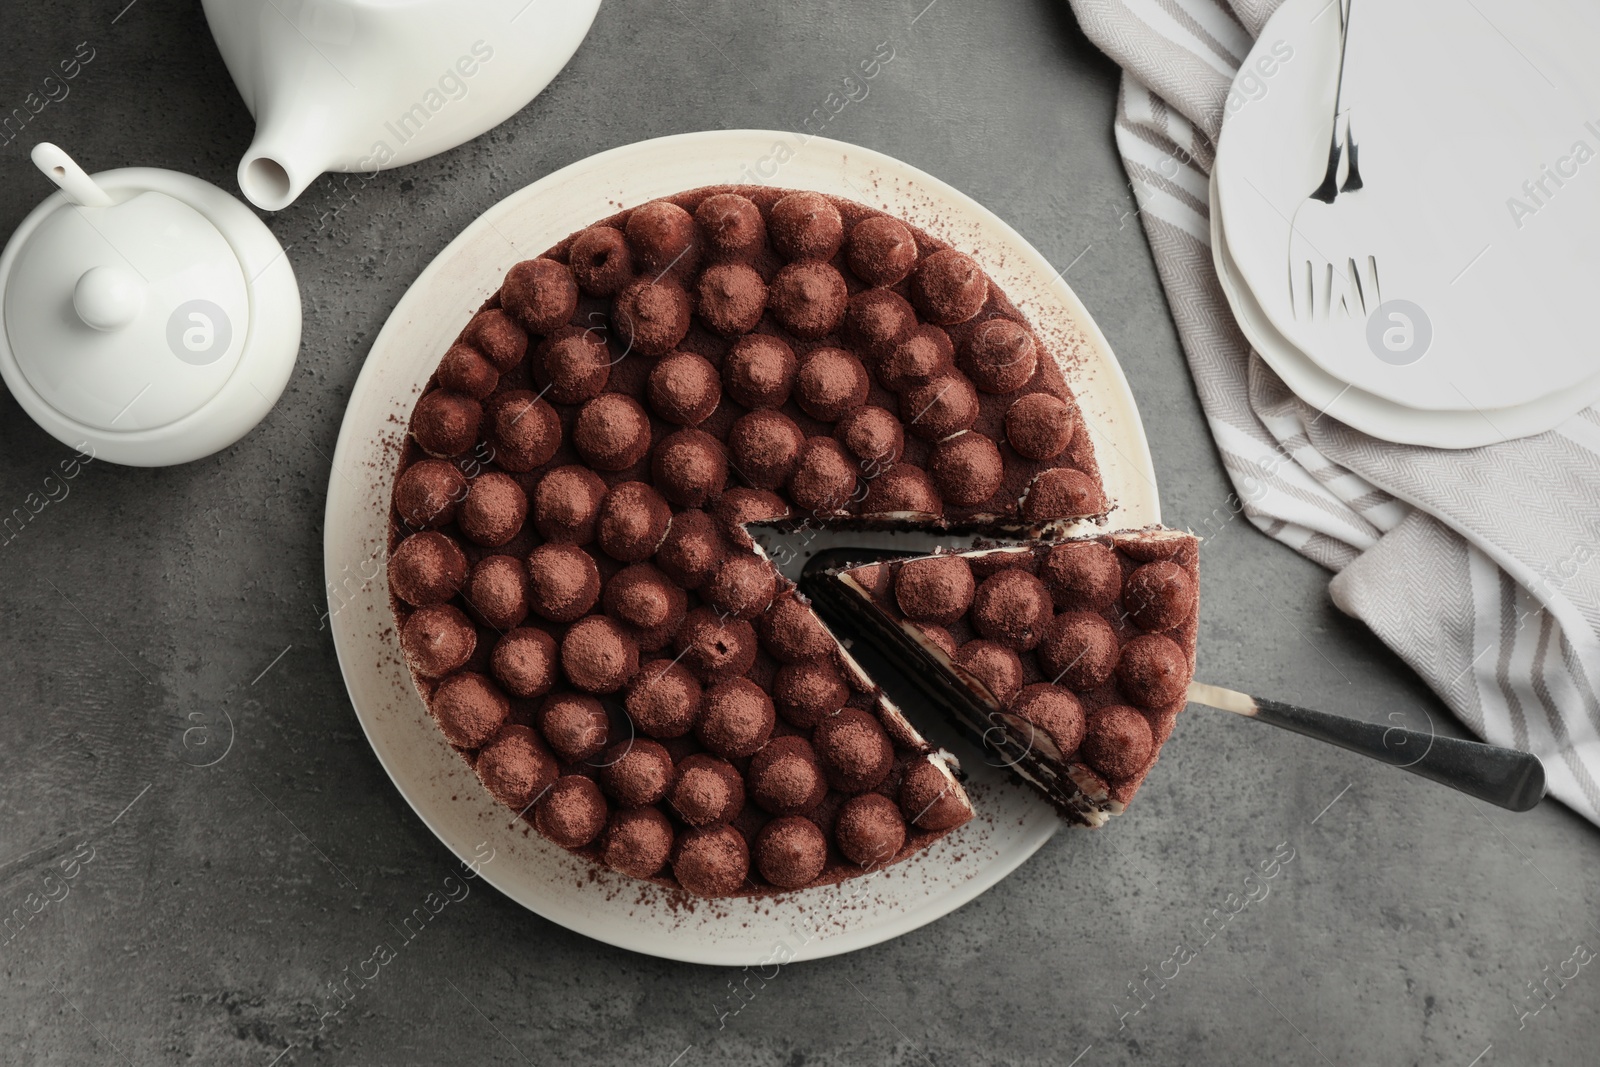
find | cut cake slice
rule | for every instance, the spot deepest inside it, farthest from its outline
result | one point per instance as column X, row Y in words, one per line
column 1070, row 660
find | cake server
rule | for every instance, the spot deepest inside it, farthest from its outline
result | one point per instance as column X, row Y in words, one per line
column 1504, row 777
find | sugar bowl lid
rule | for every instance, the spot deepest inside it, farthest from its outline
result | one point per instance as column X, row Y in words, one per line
column 146, row 314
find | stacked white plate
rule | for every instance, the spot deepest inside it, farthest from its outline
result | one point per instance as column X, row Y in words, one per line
column 1478, row 128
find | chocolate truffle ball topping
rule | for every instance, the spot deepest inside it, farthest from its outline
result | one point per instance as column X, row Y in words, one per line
column 1079, row 650
column 903, row 488
column 663, row 699
column 995, row 665
column 497, row 335
column 870, row 830
column 791, row 632
column 601, row 260
column 637, row 842
column 1000, row 355
column 1084, row 576
column 651, row 317
column 575, row 726
column 785, row 778
column 540, row 293
column 732, row 298
column 715, row 647
column 690, row 468
column 428, row 493
column 566, row 504
column 467, row 371
column 967, row 469
column 736, row 718
column 873, row 436
column 524, row 662
column 524, row 431
column 711, row 862
column 877, row 320
column 806, row 226
column 1013, row 608
column 573, row 813
column 764, row 448
column 1057, row 713
column 632, row 522
column 427, row 568
column 494, row 509
column 515, row 767
column 881, row 250
column 935, row 589
column 759, row 371
column 824, row 479
column 437, row 640
column 1153, row 671
column 563, row 582
column 831, row 383
column 931, row 799
column 808, row 299
column 731, row 224
column 854, row 751
column 790, row 851
column 445, row 424
column 469, row 708
column 642, row 596
column 916, row 360
column 948, row 287
column 612, row 432
column 947, row 404
column 636, row 772
column 692, row 549
column 808, row 692
column 662, row 236
column 575, row 365
column 1159, row 595
column 1063, row 493
column 598, row 655
column 742, row 587
column 1040, row 426
column 684, row 389
column 1118, row 742
column 706, row 790
column 497, row 590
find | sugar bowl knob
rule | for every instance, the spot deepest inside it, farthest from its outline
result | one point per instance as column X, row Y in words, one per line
column 108, row 297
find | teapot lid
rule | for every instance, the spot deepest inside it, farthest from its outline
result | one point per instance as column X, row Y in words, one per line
column 130, row 304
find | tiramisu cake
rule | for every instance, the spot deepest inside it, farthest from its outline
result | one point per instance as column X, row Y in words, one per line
column 1070, row 660
column 576, row 596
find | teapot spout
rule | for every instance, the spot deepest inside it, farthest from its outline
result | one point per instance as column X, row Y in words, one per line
column 281, row 162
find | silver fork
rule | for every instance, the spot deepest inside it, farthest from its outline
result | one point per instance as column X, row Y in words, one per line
column 1330, row 276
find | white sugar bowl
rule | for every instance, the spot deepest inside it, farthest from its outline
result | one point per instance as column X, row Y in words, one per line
column 146, row 317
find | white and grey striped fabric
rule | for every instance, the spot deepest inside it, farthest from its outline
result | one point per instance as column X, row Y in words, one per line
column 1481, row 568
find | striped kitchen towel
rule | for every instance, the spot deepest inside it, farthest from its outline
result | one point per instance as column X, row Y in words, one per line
column 1481, row 567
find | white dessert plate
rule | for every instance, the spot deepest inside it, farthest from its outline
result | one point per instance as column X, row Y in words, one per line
column 1011, row 823
column 1459, row 110
column 1356, row 407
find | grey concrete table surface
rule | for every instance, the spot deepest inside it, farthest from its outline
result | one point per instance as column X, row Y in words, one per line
column 214, row 909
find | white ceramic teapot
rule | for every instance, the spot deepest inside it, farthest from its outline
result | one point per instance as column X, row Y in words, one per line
column 361, row 85
column 146, row 316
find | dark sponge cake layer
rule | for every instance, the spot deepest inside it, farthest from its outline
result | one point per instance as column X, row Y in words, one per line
column 610, row 419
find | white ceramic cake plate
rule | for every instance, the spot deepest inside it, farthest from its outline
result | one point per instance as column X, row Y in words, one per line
column 1010, row 824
